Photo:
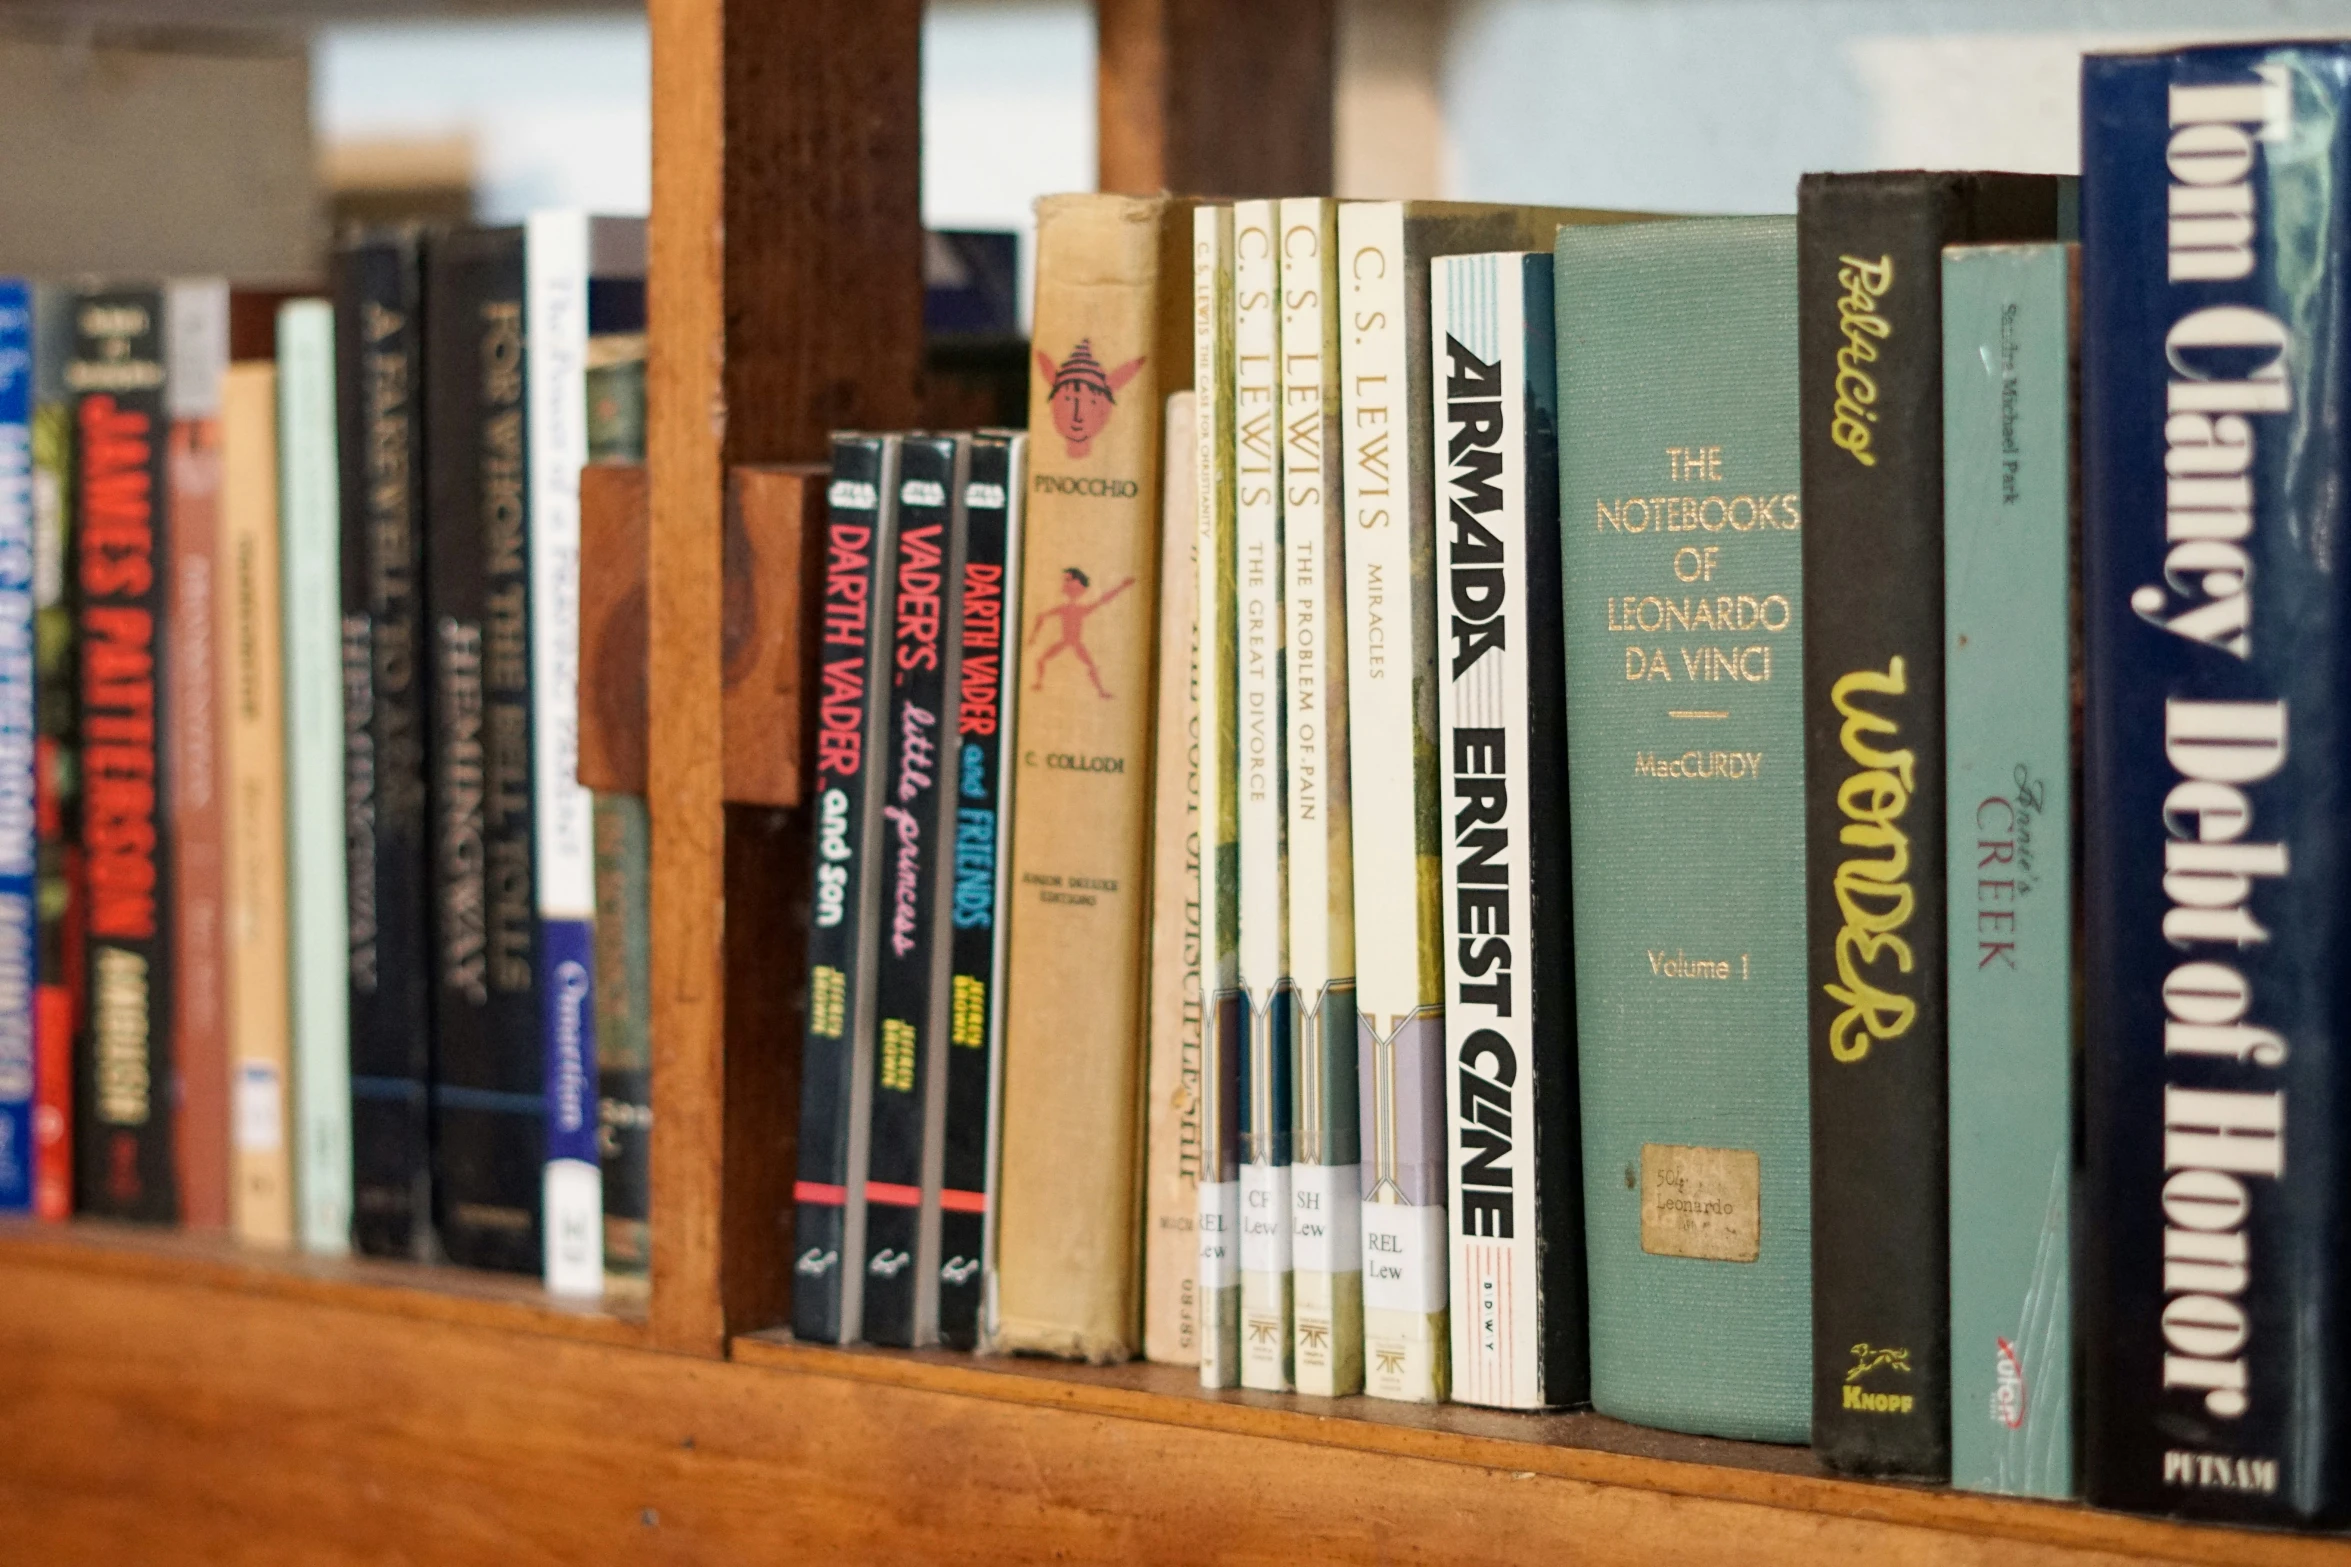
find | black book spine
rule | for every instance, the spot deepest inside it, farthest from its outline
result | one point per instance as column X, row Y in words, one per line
column 124, row 1089
column 852, row 704
column 911, row 954
column 379, row 342
column 489, row 1136
column 987, row 556
column 1870, row 325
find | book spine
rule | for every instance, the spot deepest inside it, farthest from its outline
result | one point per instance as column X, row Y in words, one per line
column 1107, row 348
column 556, row 250
column 624, row 1044
column 1516, row 1239
column 379, row 340
column 489, row 1109
column 1391, row 618
column 196, row 326
column 1171, row 1194
column 124, row 1165
column 253, row 735
column 2008, row 705
column 19, row 835
column 987, row 612
column 56, row 693
column 318, row 947
column 1264, row 941
column 1222, row 1011
column 901, row 1205
column 1326, row 1174
column 2214, row 282
column 836, row 1064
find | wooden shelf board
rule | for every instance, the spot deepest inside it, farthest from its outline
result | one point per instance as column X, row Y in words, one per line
column 407, row 1289
column 1584, row 1447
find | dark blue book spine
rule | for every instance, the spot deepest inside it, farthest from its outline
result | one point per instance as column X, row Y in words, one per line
column 2216, row 293
column 19, row 920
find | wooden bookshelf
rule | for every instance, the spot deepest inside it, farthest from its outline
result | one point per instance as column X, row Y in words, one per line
column 179, row 1398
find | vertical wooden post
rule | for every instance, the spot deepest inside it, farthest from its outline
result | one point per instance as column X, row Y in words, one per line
column 785, row 299
column 1215, row 97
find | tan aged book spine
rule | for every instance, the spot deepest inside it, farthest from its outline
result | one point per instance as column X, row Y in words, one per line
column 1171, row 1118
column 1111, row 340
column 252, row 700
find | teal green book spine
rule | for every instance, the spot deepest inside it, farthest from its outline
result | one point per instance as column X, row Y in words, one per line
column 310, row 545
column 2008, row 715
column 1680, row 538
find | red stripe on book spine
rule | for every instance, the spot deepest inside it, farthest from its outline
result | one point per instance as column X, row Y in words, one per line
column 819, row 1192
column 964, row 1202
column 896, row 1196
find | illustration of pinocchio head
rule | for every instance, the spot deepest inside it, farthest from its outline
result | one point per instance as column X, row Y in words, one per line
column 1083, row 395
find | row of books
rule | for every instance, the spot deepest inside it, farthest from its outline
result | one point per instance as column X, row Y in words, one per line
column 1594, row 905
column 334, row 950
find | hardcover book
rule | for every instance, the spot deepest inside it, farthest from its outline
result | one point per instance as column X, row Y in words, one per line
column 1870, row 336
column 1679, row 526
column 123, row 1157
column 1217, row 1263
column 624, row 1042
column 1108, row 347
column 379, row 361
column 1517, row 1242
column 310, row 535
column 2216, row 783
column 19, row 839
column 58, row 968
column 986, row 692
column 911, row 982
column 1263, row 943
column 2008, row 671
column 1171, row 1115
column 836, row 1062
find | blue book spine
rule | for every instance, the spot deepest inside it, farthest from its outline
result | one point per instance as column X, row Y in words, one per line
column 18, row 848
column 2008, row 733
column 2216, row 286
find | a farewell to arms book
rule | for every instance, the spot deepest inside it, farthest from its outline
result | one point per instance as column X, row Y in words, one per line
column 986, row 695
column 489, row 1108
column 59, row 969
column 310, row 533
column 901, row 1258
column 123, row 1096
column 19, row 839
column 1109, row 344
column 1326, row 1174
column 1390, row 496
column 2217, row 782
column 836, row 1063
column 1217, row 1261
column 1264, row 940
column 196, row 317
column 1171, row 1114
column 379, row 360
column 584, row 279
column 1870, row 348
column 1680, row 522
column 1512, row 1144
column 253, row 735
column 2008, row 702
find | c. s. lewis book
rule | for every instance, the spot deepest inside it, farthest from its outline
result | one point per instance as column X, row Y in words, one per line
column 1216, row 1263
column 122, row 1089
column 1109, row 345
column 2008, row 672
column 1326, row 1235
column 1392, row 657
column 489, row 1107
column 1511, row 1142
column 1263, row 943
column 836, row 1064
column 911, row 958
column 2217, row 782
column 19, row 840
column 57, row 699
column 1679, row 525
column 986, row 695
column 379, row 343
column 1870, row 342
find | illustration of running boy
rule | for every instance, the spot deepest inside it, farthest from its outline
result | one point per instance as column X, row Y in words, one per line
column 1071, row 612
